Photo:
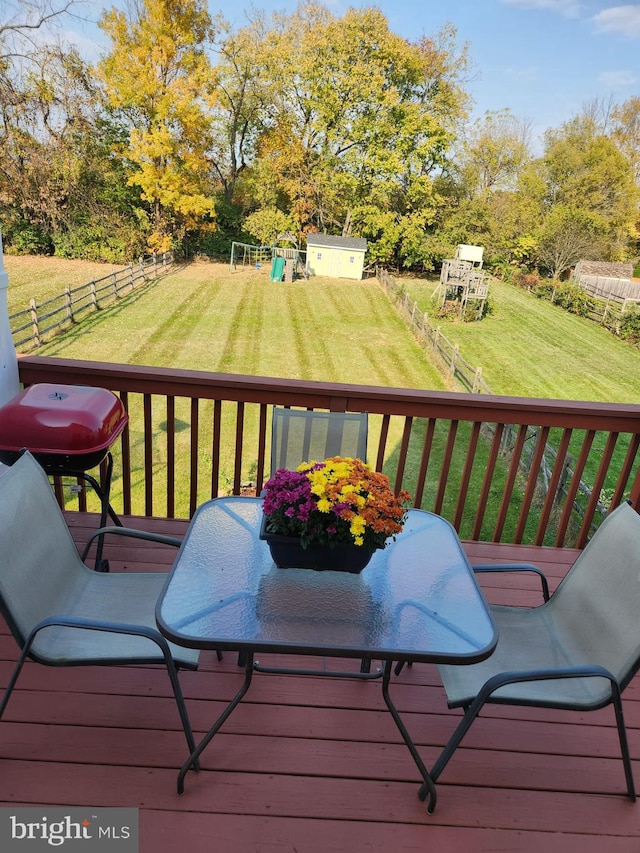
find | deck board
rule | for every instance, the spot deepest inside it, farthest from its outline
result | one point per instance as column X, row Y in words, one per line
column 311, row 764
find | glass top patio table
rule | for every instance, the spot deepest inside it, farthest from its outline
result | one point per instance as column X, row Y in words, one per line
column 417, row 600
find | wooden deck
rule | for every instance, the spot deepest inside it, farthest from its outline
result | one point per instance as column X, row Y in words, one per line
column 315, row 764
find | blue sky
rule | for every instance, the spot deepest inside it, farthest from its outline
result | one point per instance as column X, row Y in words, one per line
column 543, row 59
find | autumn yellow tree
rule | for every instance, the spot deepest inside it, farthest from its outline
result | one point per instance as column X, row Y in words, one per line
column 358, row 122
column 158, row 80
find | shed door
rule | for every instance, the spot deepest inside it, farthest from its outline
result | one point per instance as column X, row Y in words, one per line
column 335, row 263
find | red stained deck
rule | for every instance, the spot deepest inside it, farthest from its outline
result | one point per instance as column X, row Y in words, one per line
column 316, row 764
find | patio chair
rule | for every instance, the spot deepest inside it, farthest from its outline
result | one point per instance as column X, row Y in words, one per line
column 63, row 613
column 577, row 651
column 299, row 436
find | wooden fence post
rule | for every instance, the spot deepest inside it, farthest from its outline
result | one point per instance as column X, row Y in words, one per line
column 454, row 359
column 34, row 321
column 68, row 303
column 115, row 286
column 94, row 296
column 476, row 380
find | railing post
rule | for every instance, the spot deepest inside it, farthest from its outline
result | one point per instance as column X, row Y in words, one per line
column 34, row 321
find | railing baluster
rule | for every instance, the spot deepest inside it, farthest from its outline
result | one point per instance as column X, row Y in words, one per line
column 424, row 463
column 554, row 484
column 597, row 486
column 237, row 464
column 148, row 455
column 171, row 457
column 125, row 445
column 625, row 471
column 402, row 457
column 466, row 474
column 487, row 480
column 215, row 448
column 537, row 458
column 193, row 457
column 574, row 485
column 514, row 467
column 446, row 465
column 262, row 442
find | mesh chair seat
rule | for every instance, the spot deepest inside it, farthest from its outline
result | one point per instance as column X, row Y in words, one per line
column 578, row 650
column 528, row 640
column 61, row 612
column 120, row 599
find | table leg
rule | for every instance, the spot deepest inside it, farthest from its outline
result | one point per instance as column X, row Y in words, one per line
column 428, row 786
column 193, row 758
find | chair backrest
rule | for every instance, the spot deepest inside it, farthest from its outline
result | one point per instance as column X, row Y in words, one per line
column 596, row 608
column 301, row 436
column 39, row 563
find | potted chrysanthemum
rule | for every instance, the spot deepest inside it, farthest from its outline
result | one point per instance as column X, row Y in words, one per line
column 330, row 515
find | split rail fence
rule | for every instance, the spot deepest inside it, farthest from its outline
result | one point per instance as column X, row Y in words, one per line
column 471, row 380
column 41, row 320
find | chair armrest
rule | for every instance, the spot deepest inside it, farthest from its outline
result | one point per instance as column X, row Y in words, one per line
column 515, row 567
column 160, row 538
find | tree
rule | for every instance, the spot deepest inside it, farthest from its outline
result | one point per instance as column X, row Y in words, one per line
column 359, row 121
column 55, row 174
column 22, row 19
column 158, row 80
column 566, row 237
column 241, row 105
column 585, row 172
column 493, row 153
column 626, row 132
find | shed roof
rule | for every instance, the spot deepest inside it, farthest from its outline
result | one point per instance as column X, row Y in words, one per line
column 607, row 269
column 334, row 242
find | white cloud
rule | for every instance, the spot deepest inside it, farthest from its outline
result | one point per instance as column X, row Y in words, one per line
column 566, row 8
column 624, row 20
column 617, row 79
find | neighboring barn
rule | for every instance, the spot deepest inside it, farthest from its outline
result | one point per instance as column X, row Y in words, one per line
column 336, row 257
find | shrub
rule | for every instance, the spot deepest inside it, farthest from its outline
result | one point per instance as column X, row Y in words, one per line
column 573, row 298
column 526, row 280
column 546, row 289
column 23, row 238
column 629, row 327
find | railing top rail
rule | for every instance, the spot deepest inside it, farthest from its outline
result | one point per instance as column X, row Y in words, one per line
column 620, row 417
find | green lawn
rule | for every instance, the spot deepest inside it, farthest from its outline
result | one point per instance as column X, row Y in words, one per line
column 529, row 347
column 205, row 318
column 40, row 278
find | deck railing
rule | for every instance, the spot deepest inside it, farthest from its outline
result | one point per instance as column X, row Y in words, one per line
column 481, row 461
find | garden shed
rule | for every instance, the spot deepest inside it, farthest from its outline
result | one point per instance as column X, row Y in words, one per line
column 336, row 257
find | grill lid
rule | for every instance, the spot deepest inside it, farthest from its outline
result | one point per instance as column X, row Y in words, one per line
column 61, row 419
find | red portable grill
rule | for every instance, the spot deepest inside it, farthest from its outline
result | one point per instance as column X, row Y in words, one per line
column 69, row 430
